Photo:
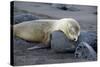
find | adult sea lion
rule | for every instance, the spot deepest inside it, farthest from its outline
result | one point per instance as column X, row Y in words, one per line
column 40, row 30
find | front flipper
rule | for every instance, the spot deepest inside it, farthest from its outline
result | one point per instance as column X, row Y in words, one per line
column 60, row 43
column 39, row 46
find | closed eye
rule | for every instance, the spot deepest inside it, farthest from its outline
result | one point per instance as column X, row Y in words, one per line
column 72, row 31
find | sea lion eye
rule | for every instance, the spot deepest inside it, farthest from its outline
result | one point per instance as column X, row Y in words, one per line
column 72, row 31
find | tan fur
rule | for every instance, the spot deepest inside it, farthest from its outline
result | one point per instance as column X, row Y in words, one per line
column 40, row 30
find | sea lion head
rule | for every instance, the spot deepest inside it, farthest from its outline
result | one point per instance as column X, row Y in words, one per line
column 70, row 28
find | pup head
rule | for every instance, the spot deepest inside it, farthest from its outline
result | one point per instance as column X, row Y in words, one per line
column 71, row 28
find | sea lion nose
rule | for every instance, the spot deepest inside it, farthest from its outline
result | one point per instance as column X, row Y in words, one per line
column 75, row 39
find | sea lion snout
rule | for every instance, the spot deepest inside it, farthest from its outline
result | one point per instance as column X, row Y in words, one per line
column 75, row 39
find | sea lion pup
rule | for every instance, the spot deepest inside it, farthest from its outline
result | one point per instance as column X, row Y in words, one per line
column 40, row 30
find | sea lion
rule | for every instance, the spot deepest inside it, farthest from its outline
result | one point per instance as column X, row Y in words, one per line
column 40, row 30
column 85, row 51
